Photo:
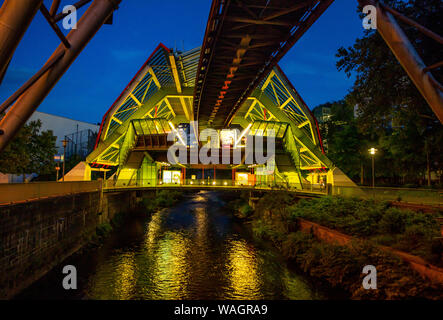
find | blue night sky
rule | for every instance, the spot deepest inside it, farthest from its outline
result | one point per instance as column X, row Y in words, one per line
column 117, row 52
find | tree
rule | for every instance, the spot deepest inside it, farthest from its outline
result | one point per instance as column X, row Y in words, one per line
column 391, row 111
column 31, row 151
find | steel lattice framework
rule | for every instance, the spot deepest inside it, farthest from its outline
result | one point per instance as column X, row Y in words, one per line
column 159, row 92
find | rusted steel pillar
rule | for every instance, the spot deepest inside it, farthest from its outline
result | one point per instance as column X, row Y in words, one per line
column 15, row 18
column 89, row 24
column 408, row 57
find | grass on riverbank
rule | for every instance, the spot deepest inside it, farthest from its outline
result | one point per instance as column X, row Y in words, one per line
column 341, row 266
column 241, row 208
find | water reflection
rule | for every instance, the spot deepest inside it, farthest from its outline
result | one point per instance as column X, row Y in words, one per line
column 194, row 251
column 244, row 280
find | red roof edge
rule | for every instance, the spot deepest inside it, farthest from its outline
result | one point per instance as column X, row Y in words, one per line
column 161, row 45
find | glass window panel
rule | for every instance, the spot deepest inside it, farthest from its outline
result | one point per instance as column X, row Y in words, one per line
column 272, row 126
column 137, row 127
column 165, row 125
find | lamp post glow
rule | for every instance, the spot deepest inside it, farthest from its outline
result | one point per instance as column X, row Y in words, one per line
column 65, row 142
column 373, row 151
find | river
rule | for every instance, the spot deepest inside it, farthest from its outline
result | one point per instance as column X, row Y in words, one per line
column 194, row 250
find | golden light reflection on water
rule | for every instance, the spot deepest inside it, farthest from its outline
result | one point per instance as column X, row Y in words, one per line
column 117, row 282
column 171, row 267
column 192, row 252
column 242, row 271
column 153, row 230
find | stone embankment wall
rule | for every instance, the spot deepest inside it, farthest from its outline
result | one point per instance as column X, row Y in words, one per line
column 35, row 236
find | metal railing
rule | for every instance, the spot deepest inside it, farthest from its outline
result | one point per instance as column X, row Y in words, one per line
column 415, row 196
column 21, row 192
column 211, row 183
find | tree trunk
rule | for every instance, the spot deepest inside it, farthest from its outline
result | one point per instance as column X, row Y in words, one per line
column 428, row 168
column 362, row 172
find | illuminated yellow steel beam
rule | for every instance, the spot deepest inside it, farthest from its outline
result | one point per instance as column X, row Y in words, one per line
column 117, row 120
column 175, row 73
column 263, row 88
column 251, row 107
column 301, row 125
column 275, row 94
column 311, row 167
column 286, row 102
column 135, row 99
column 154, row 77
column 118, row 112
column 170, row 107
column 185, row 108
column 179, row 96
column 147, row 89
column 105, row 162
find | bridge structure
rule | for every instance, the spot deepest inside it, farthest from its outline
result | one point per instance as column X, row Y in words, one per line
column 160, row 102
column 232, row 83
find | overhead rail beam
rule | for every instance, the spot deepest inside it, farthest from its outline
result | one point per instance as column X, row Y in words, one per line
column 310, row 15
column 243, row 41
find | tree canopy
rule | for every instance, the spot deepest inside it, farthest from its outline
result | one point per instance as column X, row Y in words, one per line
column 31, row 151
column 391, row 115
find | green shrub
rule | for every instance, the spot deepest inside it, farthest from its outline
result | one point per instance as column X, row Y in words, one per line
column 393, row 221
column 103, row 230
column 296, row 244
column 263, row 230
column 162, row 199
column 402, row 229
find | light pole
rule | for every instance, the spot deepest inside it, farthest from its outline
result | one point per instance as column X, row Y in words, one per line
column 373, row 151
column 65, row 142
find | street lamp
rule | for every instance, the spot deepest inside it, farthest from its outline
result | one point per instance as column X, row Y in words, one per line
column 373, row 151
column 65, row 143
column 57, row 168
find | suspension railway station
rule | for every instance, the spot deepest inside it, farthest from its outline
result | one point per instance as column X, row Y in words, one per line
column 133, row 139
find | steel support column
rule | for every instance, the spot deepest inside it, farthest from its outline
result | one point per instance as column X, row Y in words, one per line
column 89, row 24
column 15, row 18
column 409, row 59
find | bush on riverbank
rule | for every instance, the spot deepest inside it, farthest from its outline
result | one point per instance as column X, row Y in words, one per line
column 161, row 199
column 341, row 266
column 241, row 208
column 413, row 232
